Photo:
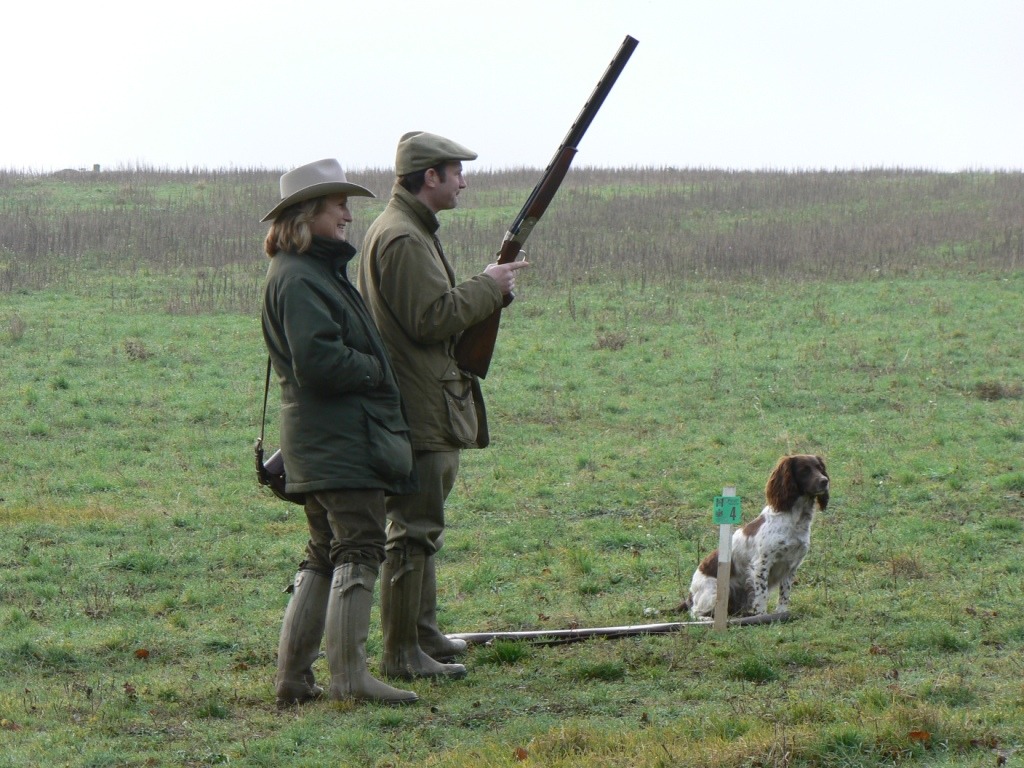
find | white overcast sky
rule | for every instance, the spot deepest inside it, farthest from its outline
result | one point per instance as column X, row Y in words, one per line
column 766, row 84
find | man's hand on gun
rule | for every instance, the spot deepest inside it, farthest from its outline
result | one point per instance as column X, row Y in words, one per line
column 505, row 274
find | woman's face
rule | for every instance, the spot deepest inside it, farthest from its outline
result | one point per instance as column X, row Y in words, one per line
column 332, row 220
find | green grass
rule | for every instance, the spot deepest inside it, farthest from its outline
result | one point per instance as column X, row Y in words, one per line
column 142, row 568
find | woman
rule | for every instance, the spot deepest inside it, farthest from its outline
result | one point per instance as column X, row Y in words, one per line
column 344, row 434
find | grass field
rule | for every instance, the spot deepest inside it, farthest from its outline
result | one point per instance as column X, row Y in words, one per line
column 141, row 569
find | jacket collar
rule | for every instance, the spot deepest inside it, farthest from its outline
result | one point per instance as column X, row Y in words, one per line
column 337, row 253
column 406, row 200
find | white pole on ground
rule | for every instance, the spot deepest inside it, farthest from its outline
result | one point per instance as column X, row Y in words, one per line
column 723, row 512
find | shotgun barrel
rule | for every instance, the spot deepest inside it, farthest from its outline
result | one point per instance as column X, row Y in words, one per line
column 475, row 347
column 562, row 636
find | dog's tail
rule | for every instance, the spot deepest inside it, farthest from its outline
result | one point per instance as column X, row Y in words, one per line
column 686, row 605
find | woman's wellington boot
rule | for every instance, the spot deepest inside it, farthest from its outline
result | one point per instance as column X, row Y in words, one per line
column 348, row 625
column 299, row 644
column 400, row 590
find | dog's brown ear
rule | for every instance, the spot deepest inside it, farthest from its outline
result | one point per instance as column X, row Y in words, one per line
column 782, row 490
column 823, row 498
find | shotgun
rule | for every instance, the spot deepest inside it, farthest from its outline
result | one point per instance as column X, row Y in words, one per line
column 563, row 636
column 475, row 347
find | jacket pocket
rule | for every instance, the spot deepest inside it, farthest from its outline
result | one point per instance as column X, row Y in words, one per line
column 458, row 399
column 390, row 450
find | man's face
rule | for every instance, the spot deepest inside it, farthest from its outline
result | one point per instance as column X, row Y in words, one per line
column 446, row 193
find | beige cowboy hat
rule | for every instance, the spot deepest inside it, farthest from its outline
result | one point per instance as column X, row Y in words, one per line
column 324, row 177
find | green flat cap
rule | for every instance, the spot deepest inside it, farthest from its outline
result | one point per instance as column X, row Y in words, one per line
column 419, row 150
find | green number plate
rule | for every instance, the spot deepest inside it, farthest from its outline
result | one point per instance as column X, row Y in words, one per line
column 727, row 510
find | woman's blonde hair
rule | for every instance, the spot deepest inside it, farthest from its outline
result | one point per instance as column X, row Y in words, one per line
column 290, row 230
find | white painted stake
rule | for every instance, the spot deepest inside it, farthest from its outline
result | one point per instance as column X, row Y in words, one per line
column 724, row 567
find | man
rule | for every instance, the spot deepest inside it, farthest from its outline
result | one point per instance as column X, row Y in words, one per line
column 410, row 288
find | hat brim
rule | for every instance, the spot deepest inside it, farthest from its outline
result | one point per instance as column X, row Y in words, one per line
column 319, row 190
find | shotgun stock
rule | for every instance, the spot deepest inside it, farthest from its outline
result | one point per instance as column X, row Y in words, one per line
column 476, row 345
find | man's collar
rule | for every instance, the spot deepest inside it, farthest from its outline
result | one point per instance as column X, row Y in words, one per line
column 417, row 207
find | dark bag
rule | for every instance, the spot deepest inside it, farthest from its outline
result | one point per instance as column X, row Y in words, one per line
column 271, row 472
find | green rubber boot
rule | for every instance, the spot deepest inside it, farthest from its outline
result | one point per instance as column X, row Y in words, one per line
column 299, row 644
column 400, row 594
column 434, row 643
column 348, row 626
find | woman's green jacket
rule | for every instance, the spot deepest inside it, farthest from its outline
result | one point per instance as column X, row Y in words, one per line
column 343, row 424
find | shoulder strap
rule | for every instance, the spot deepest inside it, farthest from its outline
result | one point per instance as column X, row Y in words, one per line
column 260, row 470
column 266, row 392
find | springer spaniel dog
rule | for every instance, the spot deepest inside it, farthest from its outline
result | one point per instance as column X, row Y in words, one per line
column 766, row 551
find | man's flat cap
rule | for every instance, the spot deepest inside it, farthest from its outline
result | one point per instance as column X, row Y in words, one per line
column 419, row 150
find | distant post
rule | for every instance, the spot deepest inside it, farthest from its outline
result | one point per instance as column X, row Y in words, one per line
column 726, row 515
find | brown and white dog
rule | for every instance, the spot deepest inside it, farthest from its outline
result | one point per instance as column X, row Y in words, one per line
column 766, row 551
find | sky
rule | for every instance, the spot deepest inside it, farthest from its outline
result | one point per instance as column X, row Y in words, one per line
column 732, row 84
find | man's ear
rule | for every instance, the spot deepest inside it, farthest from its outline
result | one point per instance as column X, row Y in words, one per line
column 430, row 178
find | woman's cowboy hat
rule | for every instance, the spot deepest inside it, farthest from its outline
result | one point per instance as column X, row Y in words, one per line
column 324, row 177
